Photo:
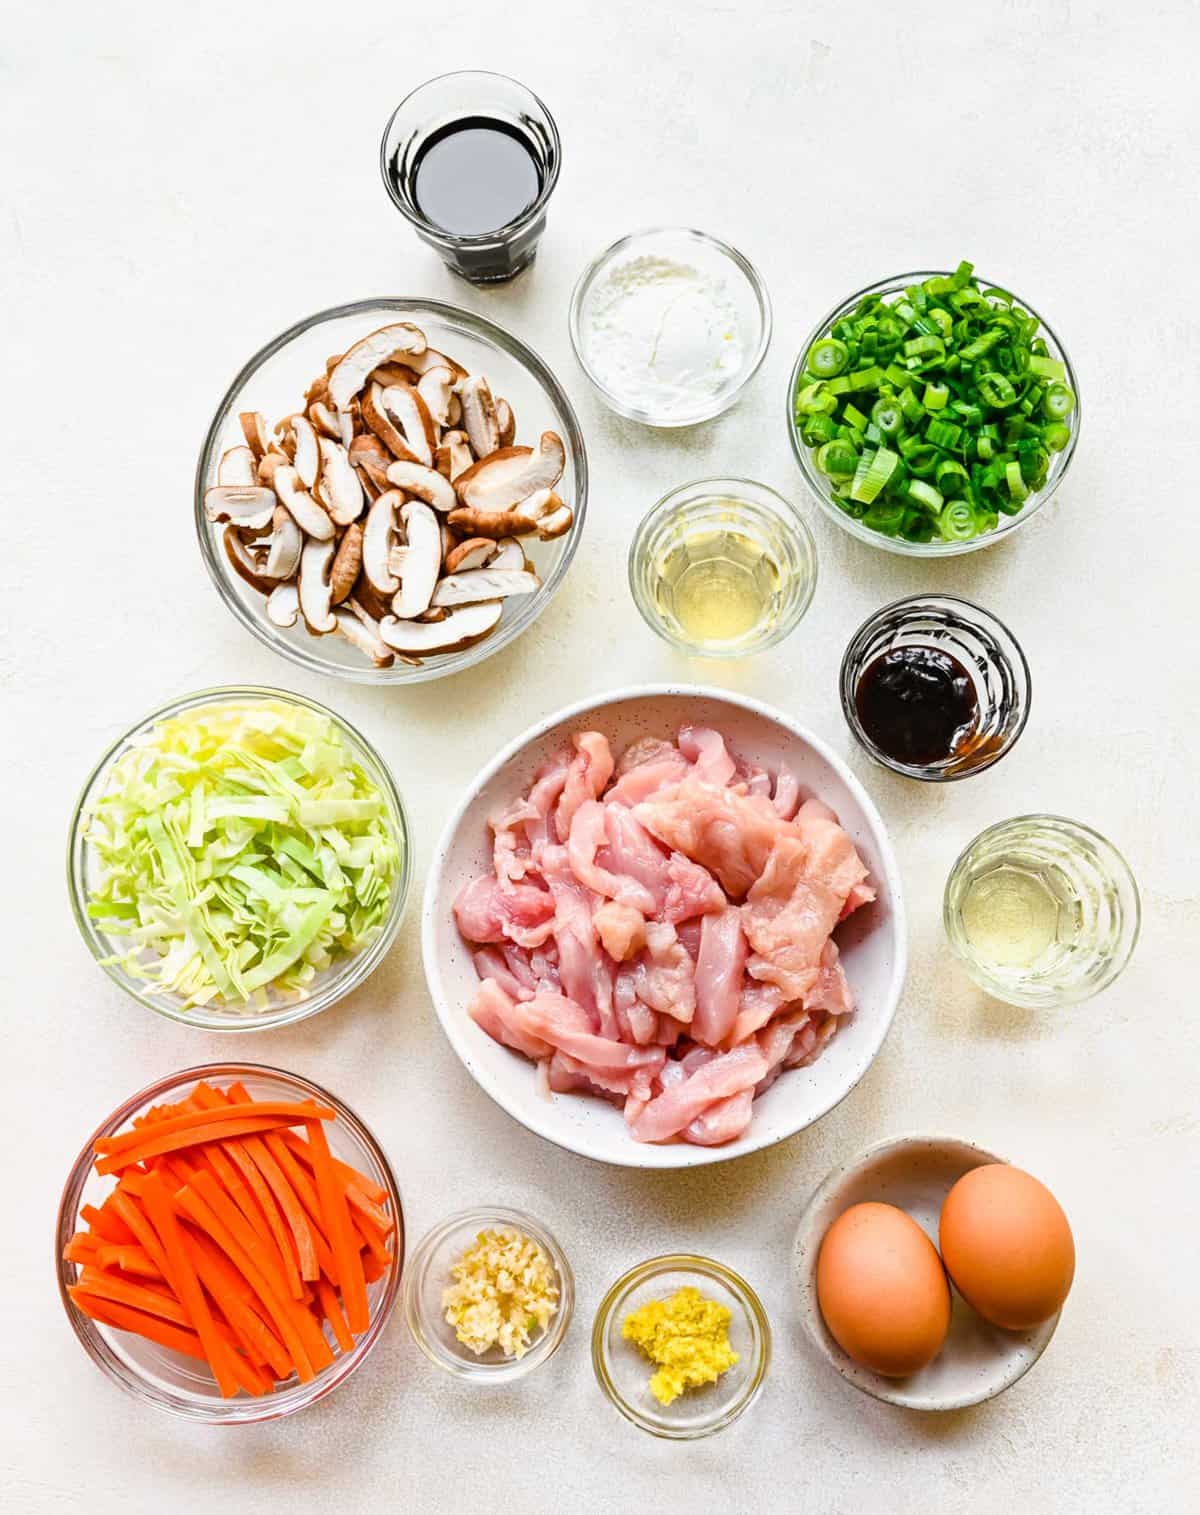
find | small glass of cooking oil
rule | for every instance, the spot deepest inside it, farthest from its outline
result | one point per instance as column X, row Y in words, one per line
column 721, row 568
column 1042, row 911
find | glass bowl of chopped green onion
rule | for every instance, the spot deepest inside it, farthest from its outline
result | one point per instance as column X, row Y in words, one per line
column 933, row 413
column 239, row 859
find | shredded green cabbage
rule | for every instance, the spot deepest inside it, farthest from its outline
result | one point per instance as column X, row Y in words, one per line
column 241, row 851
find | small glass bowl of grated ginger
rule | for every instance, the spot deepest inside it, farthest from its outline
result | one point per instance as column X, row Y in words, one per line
column 488, row 1295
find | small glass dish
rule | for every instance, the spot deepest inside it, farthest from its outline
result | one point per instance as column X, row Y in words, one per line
column 334, row 982
column 163, row 1378
column 690, row 529
column 428, row 1274
column 986, row 649
column 820, row 485
column 1094, row 902
column 745, row 303
column 273, row 382
column 624, row 1372
column 484, row 257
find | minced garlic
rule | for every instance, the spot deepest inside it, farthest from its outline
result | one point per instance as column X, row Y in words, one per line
column 687, row 1336
column 505, row 1287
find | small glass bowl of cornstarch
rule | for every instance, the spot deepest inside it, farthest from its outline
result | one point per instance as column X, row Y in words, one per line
column 670, row 325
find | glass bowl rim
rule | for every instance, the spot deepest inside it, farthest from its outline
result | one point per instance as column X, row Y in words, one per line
column 727, row 398
column 367, row 959
column 542, row 1349
column 791, row 513
column 1107, row 849
column 704, row 1267
column 86, row 1330
column 913, row 771
column 491, row 334
column 898, row 545
column 510, row 228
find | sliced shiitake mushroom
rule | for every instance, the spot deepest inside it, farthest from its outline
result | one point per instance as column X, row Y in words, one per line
column 425, row 483
column 454, row 455
column 341, row 487
column 244, row 561
column 506, row 421
column 365, row 636
column 283, row 555
column 312, row 520
column 254, row 429
column 283, row 604
column 543, row 512
column 249, row 507
column 504, row 478
column 404, row 405
column 316, row 595
column 473, row 553
column 307, row 456
column 459, row 629
column 238, row 468
column 436, row 388
column 346, row 563
column 479, row 415
column 349, row 373
column 421, row 562
column 482, row 584
column 378, row 536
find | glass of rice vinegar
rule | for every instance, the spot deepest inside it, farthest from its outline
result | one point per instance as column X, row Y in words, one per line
column 722, row 568
column 1042, row 911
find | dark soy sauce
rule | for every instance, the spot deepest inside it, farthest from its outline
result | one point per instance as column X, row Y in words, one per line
column 475, row 176
column 917, row 704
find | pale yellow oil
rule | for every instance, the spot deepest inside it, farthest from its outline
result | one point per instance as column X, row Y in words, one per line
column 1010, row 917
column 718, row 582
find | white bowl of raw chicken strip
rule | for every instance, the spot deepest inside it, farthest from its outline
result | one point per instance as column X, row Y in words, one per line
column 872, row 941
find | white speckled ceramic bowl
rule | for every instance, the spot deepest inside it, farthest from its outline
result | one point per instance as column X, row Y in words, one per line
column 915, row 1173
column 873, row 942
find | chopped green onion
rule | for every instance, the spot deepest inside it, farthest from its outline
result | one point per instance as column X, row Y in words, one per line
column 967, row 406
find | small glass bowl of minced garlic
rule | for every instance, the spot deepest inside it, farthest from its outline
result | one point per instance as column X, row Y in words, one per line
column 488, row 1295
column 681, row 1346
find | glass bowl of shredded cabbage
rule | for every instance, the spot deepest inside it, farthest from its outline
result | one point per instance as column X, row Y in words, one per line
column 239, row 859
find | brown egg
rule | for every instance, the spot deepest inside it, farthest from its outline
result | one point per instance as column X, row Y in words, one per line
column 882, row 1290
column 1007, row 1246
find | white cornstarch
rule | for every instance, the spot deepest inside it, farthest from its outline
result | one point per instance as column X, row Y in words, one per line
column 662, row 335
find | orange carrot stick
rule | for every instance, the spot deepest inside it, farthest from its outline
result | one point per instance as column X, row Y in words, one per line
column 292, row 1112
column 105, row 1224
column 236, row 1301
column 332, row 1193
column 172, row 1141
column 130, row 1258
column 333, row 1314
column 304, row 1188
column 152, row 1301
column 350, row 1176
column 271, row 1228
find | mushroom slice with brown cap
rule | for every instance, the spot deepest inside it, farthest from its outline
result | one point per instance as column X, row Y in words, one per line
column 473, row 553
column 422, row 362
column 454, row 455
column 283, row 605
column 406, row 407
column 268, row 463
column 459, row 629
column 325, row 420
column 247, row 564
column 543, row 512
column 507, row 423
column 346, row 563
column 358, row 632
column 283, row 556
column 482, row 584
column 479, row 415
column 238, row 467
column 385, row 425
column 371, row 458
column 307, row 456
column 254, row 429
column 551, row 513
column 436, row 388
column 349, row 373
column 426, row 483
column 422, row 562
column 510, row 557
column 315, row 592
column 308, row 515
column 377, row 541
column 340, row 485
column 497, row 483
column 249, row 507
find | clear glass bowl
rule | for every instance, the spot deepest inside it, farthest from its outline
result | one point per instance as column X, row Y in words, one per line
column 1098, row 909
column 274, row 381
column 703, row 508
column 820, row 486
column 334, row 982
column 986, row 649
column 163, row 1378
column 428, row 1274
column 486, row 257
column 743, row 286
column 624, row 1372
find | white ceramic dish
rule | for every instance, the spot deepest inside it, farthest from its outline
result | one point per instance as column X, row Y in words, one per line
column 915, row 1173
column 873, row 942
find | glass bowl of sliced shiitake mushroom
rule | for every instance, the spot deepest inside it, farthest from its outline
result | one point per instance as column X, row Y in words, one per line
column 391, row 491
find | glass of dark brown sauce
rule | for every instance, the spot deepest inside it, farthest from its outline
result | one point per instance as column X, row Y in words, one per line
column 471, row 159
column 935, row 688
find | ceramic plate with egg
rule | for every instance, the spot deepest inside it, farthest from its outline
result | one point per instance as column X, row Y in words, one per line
column 915, row 1173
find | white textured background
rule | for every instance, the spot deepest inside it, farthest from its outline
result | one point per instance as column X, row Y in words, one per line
column 178, row 183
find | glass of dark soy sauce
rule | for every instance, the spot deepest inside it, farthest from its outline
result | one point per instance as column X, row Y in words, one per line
column 471, row 159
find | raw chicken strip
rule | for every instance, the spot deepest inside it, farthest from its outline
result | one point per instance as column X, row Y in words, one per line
column 495, row 1012
column 681, row 888
column 831, row 855
column 722, row 1122
column 645, row 768
column 705, row 750
column 830, row 991
column 720, row 967
column 587, row 836
column 787, row 918
column 621, row 929
column 587, row 777
column 664, row 976
column 486, row 912
column 490, row 963
column 677, row 1106
column 584, row 971
column 759, row 1004
column 728, row 833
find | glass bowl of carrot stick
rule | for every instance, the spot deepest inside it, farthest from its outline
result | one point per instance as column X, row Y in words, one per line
column 230, row 1243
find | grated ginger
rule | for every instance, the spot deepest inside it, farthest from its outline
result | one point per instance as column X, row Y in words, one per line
column 505, row 1287
column 686, row 1337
